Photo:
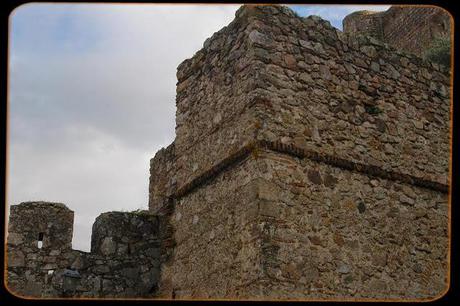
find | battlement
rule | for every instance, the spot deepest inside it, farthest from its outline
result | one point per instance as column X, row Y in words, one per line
column 124, row 260
column 41, row 225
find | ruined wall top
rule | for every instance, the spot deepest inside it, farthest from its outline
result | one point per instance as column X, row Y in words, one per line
column 124, row 259
column 41, row 224
column 124, row 234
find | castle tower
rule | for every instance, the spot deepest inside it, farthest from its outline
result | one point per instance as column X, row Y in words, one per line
column 365, row 23
column 306, row 164
column 38, row 234
column 40, row 225
column 410, row 28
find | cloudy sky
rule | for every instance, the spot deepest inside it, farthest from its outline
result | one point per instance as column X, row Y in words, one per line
column 92, row 98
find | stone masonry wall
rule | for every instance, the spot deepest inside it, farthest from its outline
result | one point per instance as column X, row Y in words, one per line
column 355, row 99
column 216, row 254
column 162, row 178
column 414, row 28
column 308, row 163
column 368, row 23
column 32, row 224
column 295, row 166
column 215, row 100
column 409, row 28
column 124, row 261
column 342, row 234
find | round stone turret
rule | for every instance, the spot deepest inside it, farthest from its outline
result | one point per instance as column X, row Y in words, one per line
column 125, row 234
column 365, row 23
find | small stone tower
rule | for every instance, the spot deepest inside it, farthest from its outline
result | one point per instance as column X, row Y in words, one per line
column 124, row 261
column 35, row 225
column 38, row 233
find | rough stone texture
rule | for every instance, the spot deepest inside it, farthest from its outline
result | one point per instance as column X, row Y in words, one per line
column 381, row 117
column 360, row 237
column 30, row 220
column 295, row 171
column 412, row 28
column 308, row 163
column 124, row 262
column 215, row 254
column 162, row 178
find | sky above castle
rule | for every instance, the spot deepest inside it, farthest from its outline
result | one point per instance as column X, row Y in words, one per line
column 92, row 98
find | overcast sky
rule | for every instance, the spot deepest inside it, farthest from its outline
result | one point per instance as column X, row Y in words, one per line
column 92, row 98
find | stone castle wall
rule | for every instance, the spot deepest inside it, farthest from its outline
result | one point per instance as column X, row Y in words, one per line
column 162, row 178
column 296, row 154
column 124, row 258
column 342, row 234
column 409, row 28
column 292, row 176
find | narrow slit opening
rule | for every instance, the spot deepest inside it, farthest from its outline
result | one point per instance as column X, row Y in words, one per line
column 40, row 240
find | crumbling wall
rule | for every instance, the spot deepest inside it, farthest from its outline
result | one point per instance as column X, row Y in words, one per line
column 39, row 240
column 124, row 259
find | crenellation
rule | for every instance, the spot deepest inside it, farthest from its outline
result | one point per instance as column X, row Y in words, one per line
column 124, row 260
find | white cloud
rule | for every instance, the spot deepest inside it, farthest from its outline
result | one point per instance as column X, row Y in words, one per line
column 86, row 116
column 92, row 97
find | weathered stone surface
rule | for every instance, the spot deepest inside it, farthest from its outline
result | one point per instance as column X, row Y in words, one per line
column 412, row 29
column 16, row 259
column 137, row 232
column 292, row 176
column 108, row 246
column 317, row 89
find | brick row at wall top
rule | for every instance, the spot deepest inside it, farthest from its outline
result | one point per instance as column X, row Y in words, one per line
column 409, row 28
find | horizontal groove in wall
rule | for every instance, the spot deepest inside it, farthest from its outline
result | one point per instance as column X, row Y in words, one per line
column 292, row 150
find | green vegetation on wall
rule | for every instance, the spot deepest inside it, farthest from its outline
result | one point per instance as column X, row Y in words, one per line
column 440, row 51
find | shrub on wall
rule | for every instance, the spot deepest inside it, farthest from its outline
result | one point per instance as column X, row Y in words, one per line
column 440, row 51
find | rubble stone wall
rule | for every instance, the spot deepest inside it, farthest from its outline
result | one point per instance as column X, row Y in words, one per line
column 162, row 178
column 308, row 163
column 216, row 254
column 414, row 28
column 355, row 99
column 368, row 23
column 315, row 140
column 341, row 234
column 215, row 100
column 124, row 261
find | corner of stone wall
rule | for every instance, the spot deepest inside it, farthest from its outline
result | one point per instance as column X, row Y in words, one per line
column 162, row 182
